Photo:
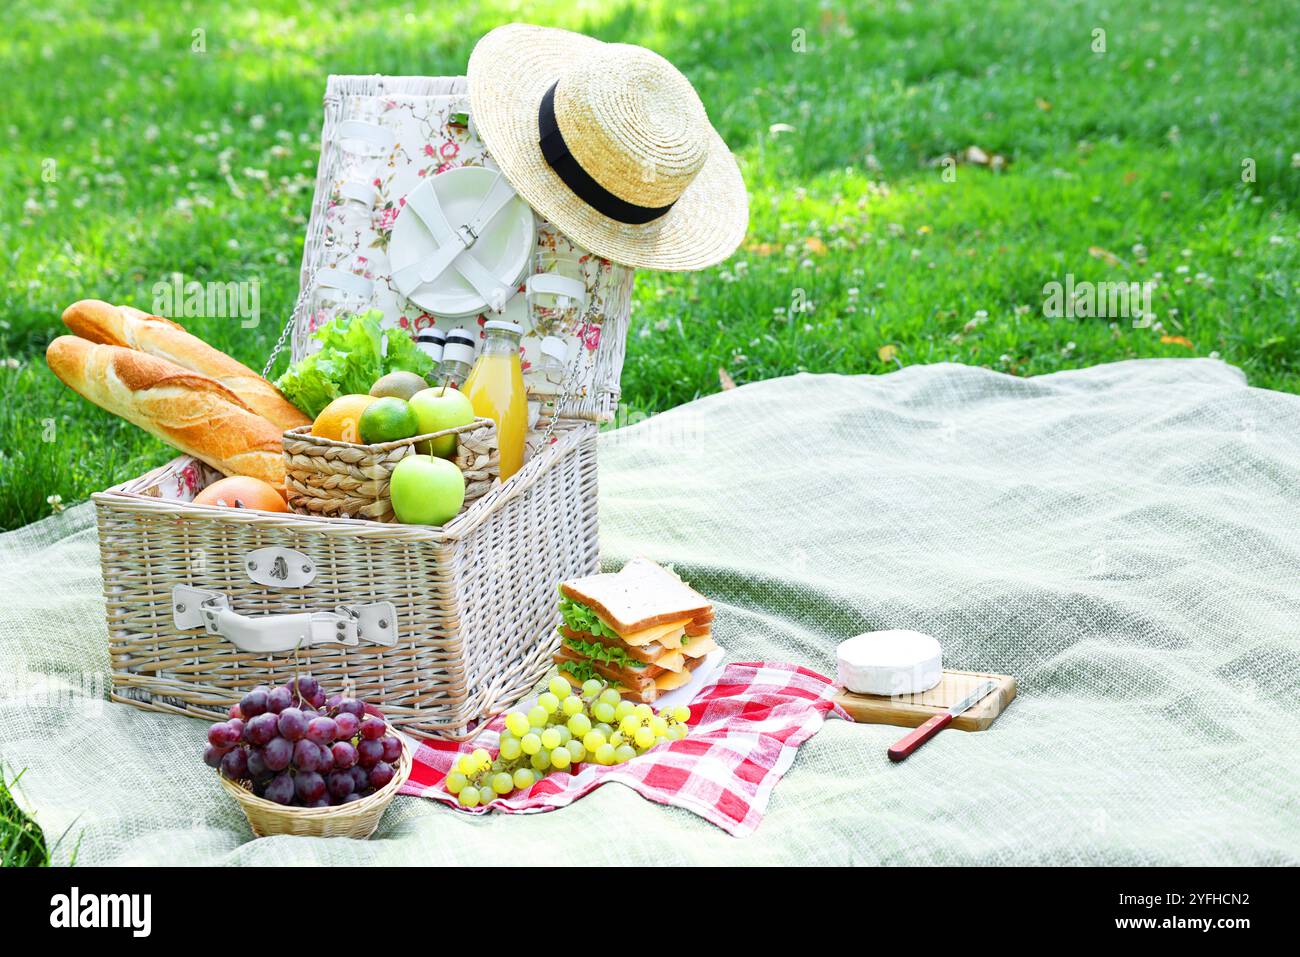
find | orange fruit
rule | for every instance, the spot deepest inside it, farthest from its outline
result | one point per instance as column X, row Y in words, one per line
column 341, row 419
column 242, row 491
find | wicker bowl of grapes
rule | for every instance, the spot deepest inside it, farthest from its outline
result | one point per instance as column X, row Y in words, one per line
column 301, row 762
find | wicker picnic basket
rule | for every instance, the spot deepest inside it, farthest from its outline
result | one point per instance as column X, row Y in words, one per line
column 440, row 627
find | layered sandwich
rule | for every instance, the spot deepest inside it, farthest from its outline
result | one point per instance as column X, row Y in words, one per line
column 642, row 629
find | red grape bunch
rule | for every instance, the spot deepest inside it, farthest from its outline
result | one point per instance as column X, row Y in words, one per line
column 294, row 746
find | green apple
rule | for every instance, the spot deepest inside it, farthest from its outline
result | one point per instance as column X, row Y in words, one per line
column 426, row 490
column 441, row 408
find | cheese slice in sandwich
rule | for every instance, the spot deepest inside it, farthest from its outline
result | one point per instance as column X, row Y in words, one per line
column 668, row 634
column 671, row 681
column 699, row 647
column 671, row 661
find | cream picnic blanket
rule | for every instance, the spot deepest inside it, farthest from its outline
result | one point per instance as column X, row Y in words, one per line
column 1124, row 539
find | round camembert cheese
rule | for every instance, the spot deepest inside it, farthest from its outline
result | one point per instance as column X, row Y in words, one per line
column 889, row 663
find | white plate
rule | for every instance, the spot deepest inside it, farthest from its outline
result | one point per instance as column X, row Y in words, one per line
column 505, row 247
column 701, row 676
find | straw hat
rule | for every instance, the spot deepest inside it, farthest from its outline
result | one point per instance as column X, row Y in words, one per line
column 610, row 143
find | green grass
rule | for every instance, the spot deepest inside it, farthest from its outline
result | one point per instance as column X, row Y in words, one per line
column 170, row 160
column 22, row 843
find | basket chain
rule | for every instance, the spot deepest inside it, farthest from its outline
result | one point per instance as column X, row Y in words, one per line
column 289, row 323
column 570, row 387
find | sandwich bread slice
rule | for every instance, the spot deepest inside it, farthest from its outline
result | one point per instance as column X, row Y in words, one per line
column 642, row 629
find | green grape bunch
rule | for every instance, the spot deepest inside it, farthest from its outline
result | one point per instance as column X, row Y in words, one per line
column 562, row 731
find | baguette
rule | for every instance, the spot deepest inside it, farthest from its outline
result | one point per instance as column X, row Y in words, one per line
column 125, row 326
column 192, row 412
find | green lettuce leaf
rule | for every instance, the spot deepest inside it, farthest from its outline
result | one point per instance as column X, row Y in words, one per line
column 581, row 670
column 581, row 618
column 350, row 359
column 606, row 654
column 404, row 355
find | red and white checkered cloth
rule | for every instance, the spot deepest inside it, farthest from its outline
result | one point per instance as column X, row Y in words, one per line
column 744, row 729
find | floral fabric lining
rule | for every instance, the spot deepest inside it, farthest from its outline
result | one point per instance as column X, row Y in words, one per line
column 431, row 137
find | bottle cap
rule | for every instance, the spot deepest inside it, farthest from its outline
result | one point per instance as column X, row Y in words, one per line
column 431, row 342
column 459, row 346
column 504, row 325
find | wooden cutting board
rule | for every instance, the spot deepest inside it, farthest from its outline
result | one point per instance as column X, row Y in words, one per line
column 909, row 711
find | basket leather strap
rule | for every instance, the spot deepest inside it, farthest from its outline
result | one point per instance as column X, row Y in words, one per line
column 553, row 284
column 379, row 137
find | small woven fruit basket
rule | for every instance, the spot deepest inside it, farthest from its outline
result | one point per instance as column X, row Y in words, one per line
column 336, row 479
column 358, row 819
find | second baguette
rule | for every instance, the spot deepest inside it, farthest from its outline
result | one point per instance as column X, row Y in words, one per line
column 192, row 412
column 112, row 325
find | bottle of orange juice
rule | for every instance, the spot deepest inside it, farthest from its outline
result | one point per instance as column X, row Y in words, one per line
column 495, row 388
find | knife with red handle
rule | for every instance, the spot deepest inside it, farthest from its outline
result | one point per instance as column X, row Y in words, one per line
column 918, row 736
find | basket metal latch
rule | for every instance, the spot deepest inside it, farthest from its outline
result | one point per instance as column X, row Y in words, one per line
column 373, row 622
